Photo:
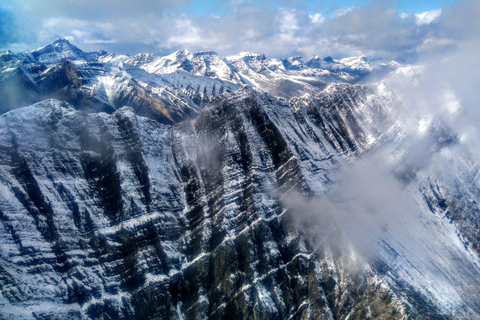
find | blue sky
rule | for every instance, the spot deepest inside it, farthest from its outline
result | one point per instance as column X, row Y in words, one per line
column 420, row 6
column 216, row 7
column 277, row 28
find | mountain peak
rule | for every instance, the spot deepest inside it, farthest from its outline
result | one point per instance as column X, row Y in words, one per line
column 246, row 55
column 2, row 52
column 181, row 53
column 57, row 51
column 61, row 40
column 60, row 44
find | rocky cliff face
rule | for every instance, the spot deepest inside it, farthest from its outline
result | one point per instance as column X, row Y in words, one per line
column 235, row 212
column 118, row 216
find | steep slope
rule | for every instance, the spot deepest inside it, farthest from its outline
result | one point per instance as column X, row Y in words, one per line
column 119, row 216
column 173, row 221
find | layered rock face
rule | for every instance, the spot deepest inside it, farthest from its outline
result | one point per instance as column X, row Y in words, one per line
column 118, row 216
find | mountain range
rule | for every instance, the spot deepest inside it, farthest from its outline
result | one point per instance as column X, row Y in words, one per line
column 195, row 186
column 167, row 88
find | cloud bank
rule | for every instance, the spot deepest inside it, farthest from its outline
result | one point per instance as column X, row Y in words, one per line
column 276, row 28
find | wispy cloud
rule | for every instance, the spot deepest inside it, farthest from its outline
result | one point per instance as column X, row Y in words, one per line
column 274, row 28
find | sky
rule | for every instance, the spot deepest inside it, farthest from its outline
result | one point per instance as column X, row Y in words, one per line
column 403, row 30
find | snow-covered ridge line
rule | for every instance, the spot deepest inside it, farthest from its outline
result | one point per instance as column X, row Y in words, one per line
column 167, row 88
column 62, row 49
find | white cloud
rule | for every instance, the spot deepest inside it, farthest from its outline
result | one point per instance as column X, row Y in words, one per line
column 130, row 26
column 451, row 103
column 342, row 12
column 186, row 34
column 317, row 18
column 428, row 16
column 288, row 21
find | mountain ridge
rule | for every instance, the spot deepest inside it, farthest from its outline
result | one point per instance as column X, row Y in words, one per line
column 108, row 80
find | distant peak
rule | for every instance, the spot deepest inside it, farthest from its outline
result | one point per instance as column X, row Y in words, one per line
column 65, row 44
column 369, row 57
column 248, row 55
column 204, row 53
column 57, row 51
column 182, row 52
column 142, row 56
column 61, row 40
column 60, row 43
column 294, row 58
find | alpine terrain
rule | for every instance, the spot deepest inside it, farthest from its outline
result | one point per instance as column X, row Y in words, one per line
column 194, row 186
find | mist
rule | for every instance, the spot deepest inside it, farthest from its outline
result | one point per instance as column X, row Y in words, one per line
column 375, row 197
column 364, row 200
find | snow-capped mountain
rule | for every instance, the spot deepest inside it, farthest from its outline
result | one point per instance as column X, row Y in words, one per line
column 187, row 201
column 167, row 88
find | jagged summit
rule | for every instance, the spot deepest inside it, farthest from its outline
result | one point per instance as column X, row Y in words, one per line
column 248, row 55
column 5, row 52
column 58, row 51
column 367, row 63
column 61, row 40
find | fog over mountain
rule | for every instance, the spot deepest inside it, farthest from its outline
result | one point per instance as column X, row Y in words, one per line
column 314, row 166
